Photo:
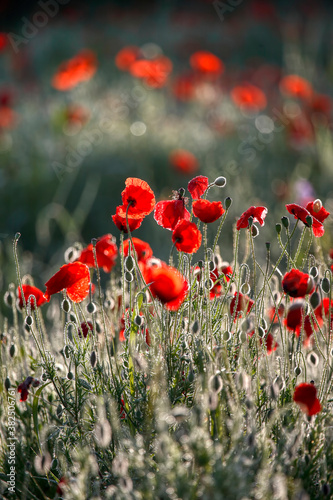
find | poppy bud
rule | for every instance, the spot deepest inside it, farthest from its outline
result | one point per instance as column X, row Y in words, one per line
column 309, row 220
column 314, row 271
column 268, row 246
column 245, row 288
column 129, row 277
column 138, row 320
column 29, row 320
column 220, row 181
column 181, row 192
column 129, row 263
column 216, row 383
column 7, row 384
column 93, row 359
column 313, row 359
column 254, row 231
column 326, row 489
column 8, row 299
column 59, row 410
column 317, row 205
column 12, row 350
column 66, row 305
column 226, row 336
column 227, row 202
column 261, row 332
column 70, row 375
column 91, row 308
column 195, row 326
column 315, row 300
column 45, row 377
column 190, row 377
column 298, row 371
column 211, row 265
column 325, row 285
column 200, row 264
column 278, row 228
column 285, row 222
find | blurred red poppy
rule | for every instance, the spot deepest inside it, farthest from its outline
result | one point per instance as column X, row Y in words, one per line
column 8, row 117
column 168, row 285
column 126, row 57
column 154, row 72
column 168, row 213
column 186, row 237
column 323, row 310
column 184, row 161
column 29, row 290
column 138, row 197
column 106, row 253
column 24, row 387
column 296, row 317
column 184, row 87
column 244, row 303
column 248, row 96
column 297, row 284
column 206, row 63
column 80, row 68
column 271, row 344
column 143, row 249
column 207, row 211
column 305, row 395
column 86, row 327
column 302, row 213
column 321, row 103
column 198, row 186
column 257, row 213
column 3, row 41
column 296, row 86
column 120, row 222
column 76, row 115
column 74, row 277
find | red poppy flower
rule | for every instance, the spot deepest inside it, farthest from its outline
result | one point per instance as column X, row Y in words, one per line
column 296, row 86
column 244, row 303
column 317, row 210
column 248, row 96
column 323, row 310
column 120, row 222
column 258, row 214
column 74, row 277
column 80, row 68
column 184, row 161
column 3, row 41
column 302, row 213
column 206, row 63
column 271, row 344
column 86, row 327
column 296, row 317
column 143, row 249
column 168, row 213
column 297, row 284
column 154, row 72
column 198, row 186
column 207, row 211
column 106, row 253
column 126, row 57
column 168, row 285
column 31, row 290
column 186, row 237
column 140, row 198
column 24, row 387
column 274, row 313
column 305, row 395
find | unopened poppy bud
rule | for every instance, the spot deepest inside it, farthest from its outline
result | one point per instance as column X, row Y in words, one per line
column 311, row 285
column 226, row 336
column 8, row 299
column 195, row 326
column 59, row 410
column 91, row 308
column 227, row 202
column 317, row 205
column 285, row 221
column 129, row 277
column 268, row 246
column 309, row 220
column 245, row 288
column 278, row 228
column 181, row 192
column 29, row 320
column 129, row 263
column 7, row 384
column 261, row 332
column 70, row 375
column 325, row 285
column 313, row 359
column 298, row 371
column 216, row 383
column 209, row 284
column 220, row 181
column 190, row 377
column 93, row 359
column 315, row 300
column 12, row 350
column 45, row 377
column 200, row 264
column 326, row 489
column 66, row 305
column 211, row 265
column 314, row 271
column 254, row 231
column 138, row 320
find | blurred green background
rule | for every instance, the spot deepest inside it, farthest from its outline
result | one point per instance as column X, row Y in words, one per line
column 264, row 159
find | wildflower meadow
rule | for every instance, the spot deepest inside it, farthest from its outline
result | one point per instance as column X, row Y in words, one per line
column 166, row 309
